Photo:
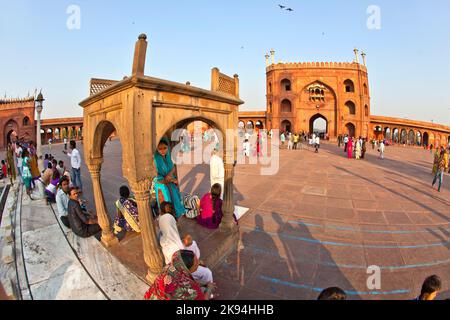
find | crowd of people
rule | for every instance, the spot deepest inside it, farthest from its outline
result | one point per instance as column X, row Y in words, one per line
column 296, row 141
column 356, row 148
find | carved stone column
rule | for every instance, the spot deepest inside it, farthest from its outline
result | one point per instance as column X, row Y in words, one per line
column 152, row 251
column 108, row 237
column 228, row 224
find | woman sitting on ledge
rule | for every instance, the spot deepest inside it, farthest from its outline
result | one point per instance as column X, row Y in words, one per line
column 166, row 182
column 127, row 214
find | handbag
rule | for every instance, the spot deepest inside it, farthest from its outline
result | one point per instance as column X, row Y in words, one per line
column 191, row 204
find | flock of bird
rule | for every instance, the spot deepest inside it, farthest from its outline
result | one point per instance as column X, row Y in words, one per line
column 284, row 8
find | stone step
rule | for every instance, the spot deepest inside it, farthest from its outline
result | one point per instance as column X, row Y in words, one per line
column 7, row 254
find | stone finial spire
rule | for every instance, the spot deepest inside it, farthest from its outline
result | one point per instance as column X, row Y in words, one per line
column 356, row 51
column 267, row 59
column 140, row 52
column 272, row 54
column 363, row 55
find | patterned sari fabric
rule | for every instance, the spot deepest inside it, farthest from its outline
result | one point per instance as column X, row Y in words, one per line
column 175, row 283
column 167, row 192
column 34, row 168
column 26, row 173
column 130, row 217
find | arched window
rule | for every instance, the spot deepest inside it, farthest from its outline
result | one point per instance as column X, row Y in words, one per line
column 270, row 87
column 349, row 86
column 26, row 121
column 366, row 110
column 351, row 107
column 286, row 85
column 286, row 106
column 270, row 107
column 366, row 90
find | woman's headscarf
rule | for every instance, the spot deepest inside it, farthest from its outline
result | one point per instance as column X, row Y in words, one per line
column 163, row 164
column 170, row 239
column 175, row 283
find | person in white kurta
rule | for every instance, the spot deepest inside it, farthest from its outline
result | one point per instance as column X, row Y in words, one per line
column 217, row 170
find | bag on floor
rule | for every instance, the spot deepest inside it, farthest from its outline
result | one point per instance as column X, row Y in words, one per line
column 191, row 203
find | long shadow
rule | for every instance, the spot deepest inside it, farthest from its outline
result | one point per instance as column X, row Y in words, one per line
column 265, row 251
column 393, row 191
column 444, row 239
column 443, row 201
column 299, row 257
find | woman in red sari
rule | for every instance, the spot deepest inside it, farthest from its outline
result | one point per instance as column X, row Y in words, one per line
column 350, row 148
column 211, row 208
column 176, row 282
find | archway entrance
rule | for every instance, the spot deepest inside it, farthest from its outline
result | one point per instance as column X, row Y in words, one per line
column 387, row 133
column 11, row 130
column 426, row 139
column 286, row 126
column 419, row 138
column 350, row 129
column 318, row 124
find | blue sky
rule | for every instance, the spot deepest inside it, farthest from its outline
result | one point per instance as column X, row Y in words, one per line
column 408, row 58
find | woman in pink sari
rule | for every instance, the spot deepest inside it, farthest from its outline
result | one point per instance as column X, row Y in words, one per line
column 211, row 208
column 350, row 148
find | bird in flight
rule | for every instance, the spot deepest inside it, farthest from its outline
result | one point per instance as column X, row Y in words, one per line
column 281, row 6
column 290, row 9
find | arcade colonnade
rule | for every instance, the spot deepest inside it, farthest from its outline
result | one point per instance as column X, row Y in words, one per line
column 410, row 132
column 58, row 129
column 142, row 110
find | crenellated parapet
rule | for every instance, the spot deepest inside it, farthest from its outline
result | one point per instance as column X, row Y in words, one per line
column 14, row 103
column 317, row 65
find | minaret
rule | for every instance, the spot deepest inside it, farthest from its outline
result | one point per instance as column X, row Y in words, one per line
column 267, row 59
column 363, row 55
column 272, row 54
column 356, row 51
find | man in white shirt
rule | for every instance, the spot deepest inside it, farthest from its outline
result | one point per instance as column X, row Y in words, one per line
column 317, row 143
column 75, row 161
column 62, row 197
column 217, row 170
column 18, row 153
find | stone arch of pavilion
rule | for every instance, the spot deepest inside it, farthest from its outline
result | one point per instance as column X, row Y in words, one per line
column 142, row 110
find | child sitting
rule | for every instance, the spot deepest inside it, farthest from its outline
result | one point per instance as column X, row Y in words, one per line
column 50, row 190
column 203, row 275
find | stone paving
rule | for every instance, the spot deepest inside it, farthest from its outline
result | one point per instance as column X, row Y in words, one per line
column 322, row 220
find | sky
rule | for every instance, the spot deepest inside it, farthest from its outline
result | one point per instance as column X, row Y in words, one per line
column 407, row 57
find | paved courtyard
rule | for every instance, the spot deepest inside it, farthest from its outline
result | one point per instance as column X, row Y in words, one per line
column 322, row 220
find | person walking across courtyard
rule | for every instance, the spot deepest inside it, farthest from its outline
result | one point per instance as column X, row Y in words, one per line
column 381, row 149
column 441, row 168
column 75, row 161
column 317, row 143
column 65, row 143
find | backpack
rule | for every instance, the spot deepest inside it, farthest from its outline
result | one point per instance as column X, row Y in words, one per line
column 191, row 205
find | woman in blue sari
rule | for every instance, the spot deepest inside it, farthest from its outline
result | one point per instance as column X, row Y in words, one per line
column 166, row 181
